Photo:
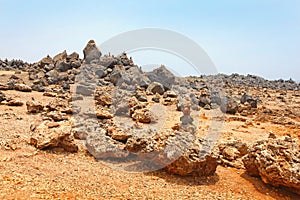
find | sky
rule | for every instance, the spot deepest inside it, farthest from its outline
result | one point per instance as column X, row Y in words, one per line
column 259, row 37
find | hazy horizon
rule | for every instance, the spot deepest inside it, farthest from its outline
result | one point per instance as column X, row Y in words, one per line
column 244, row 37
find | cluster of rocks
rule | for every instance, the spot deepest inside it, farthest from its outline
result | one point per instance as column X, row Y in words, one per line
column 55, row 128
column 7, row 65
column 237, row 80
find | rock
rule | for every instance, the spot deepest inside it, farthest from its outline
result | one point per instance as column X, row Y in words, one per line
column 156, row 87
column 228, row 105
column 22, row 88
column 91, row 53
column 119, row 76
column 103, row 96
column 171, row 94
column 118, row 134
column 63, row 66
column 102, row 146
column 183, row 156
column 142, row 115
column 15, row 102
column 276, row 161
column 246, row 98
column 231, row 153
column 124, row 59
column 57, row 116
column 109, row 62
column 103, row 113
column 73, row 57
column 163, row 76
column 46, row 61
column 58, row 136
column 34, row 107
column 84, row 90
column 60, row 57
column 2, row 96
column 204, row 100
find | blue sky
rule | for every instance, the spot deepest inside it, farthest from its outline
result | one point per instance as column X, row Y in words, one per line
column 258, row 37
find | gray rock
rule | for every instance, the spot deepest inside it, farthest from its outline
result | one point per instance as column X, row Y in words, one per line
column 156, row 87
column 163, row 76
column 102, row 146
column 91, row 53
column 228, row 105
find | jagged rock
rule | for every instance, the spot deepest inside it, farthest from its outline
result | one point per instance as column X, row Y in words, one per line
column 91, row 53
column 156, row 87
column 231, row 153
column 103, row 96
column 42, row 136
column 34, row 107
column 228, row 105
column 183, row 155
column 119, row 76
column 60, row 57
column 102, row 146
column 22, row 88
column 60, row 105
column 109, row 61
column 163, row 76
column 276, row 161
column 46, row 61
column 63, row 66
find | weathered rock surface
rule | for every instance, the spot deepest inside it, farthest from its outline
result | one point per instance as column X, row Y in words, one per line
column 276, row 161
column 231, row 153
column 49, row 135
column 102, row 146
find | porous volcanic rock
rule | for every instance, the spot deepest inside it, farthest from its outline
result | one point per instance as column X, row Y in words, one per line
column 276, row 161
column 47, row 135
column 102, row 146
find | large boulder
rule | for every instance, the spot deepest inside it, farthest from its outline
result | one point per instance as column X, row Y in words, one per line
column 229, row 105
column 156, row 87
column 49, row 134
column 91, row 53
column 163, row 76
column 189, row 156
column 276, row 161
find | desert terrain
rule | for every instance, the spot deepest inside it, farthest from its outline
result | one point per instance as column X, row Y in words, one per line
column 101, row 128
